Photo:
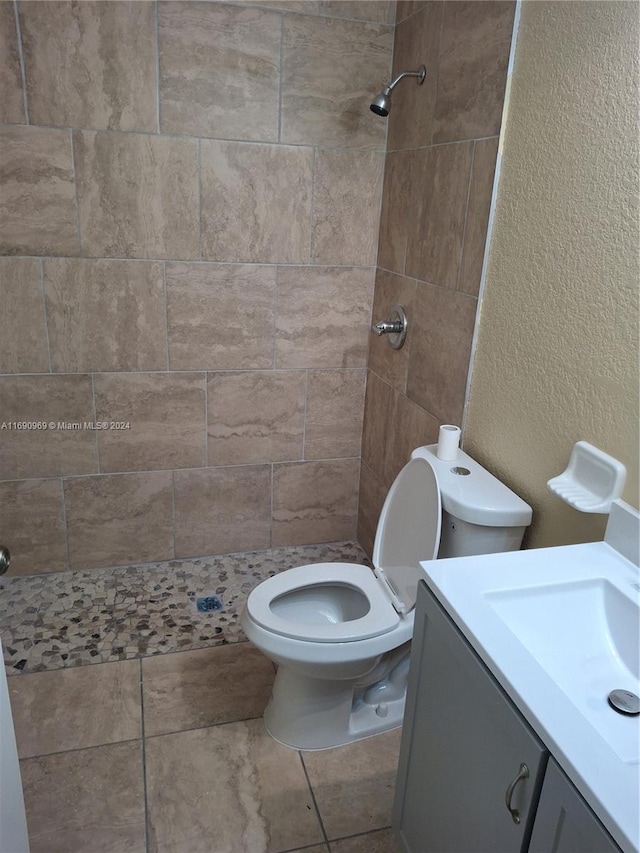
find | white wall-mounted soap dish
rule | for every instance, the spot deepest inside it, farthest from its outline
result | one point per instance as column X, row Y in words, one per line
column 591, row 481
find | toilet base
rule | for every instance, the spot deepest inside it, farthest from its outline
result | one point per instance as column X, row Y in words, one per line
column 312, row 713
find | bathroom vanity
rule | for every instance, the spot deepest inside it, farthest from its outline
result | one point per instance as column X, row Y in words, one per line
column 509, row 742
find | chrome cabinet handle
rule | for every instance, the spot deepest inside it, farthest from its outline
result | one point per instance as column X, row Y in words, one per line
column 523, row 773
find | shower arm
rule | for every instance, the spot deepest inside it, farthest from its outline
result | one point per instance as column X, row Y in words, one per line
column 421, row 73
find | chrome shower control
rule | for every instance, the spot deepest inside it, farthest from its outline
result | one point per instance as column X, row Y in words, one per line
column 5, row 559
column 395, row 327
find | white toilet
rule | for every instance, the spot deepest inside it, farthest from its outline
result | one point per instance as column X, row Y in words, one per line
column 340, row 633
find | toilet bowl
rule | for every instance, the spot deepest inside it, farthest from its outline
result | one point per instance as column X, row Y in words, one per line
column 340, row 632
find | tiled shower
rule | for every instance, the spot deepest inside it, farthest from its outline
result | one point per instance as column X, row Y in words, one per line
column 199, row 219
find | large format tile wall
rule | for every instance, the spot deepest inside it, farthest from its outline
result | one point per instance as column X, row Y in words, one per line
column 189, row 221
column 440, row 162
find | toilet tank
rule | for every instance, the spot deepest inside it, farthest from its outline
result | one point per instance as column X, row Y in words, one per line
column 480, row 515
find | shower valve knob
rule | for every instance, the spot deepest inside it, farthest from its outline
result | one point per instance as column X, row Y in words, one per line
column 395, row 327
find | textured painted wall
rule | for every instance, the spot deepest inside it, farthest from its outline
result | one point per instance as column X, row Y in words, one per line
column 557, row 350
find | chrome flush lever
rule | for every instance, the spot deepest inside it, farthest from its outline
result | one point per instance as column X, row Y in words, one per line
column 395, row 327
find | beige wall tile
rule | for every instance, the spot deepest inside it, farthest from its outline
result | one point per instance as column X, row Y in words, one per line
column 206, row 687
column 335, row 408
column 106, row 788
column 38, row 200
column 475, row 233
column 219, row 70
column 354, row 785
column 376, row 422
column 372, row 494
column 262, row 800
column 33, row 526
column 221, row 510
column 76, row 708
column 331, row 69
column 11, row 100
column 118, row 519
column 439, row 360
column 416, row 43
column 380, row 841
column 323, row 317
column 440, row 193
column 397, row 210
column 22, row 324
column 309, row 7
column 408, row 7
column 220, row 317
column 377, row 11
column 40, row 451
column 166, row 413
column 346, row 207
column 90, row 64
column 256, row 202
column 105, row 315
column 409, row 426
column 255, row 416
column 388, row 363
column 138, row 195
column 472, row 75
column 315, row 502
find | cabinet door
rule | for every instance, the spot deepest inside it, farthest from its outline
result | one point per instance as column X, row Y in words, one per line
column 462, row 745
column 564, row 822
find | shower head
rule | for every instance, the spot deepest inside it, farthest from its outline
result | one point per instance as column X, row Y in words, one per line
column 381, row 104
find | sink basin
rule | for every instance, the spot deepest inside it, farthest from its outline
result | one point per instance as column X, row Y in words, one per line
column 586, row 636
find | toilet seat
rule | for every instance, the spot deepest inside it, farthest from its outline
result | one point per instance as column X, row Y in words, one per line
column 380, row 618
column 408, row 531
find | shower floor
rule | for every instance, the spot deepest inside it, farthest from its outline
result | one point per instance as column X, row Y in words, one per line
column 57, row 620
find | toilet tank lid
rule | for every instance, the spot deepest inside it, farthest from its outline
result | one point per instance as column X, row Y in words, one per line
column 477, row 497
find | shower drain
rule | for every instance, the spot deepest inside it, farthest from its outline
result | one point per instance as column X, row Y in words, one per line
column 624, row 702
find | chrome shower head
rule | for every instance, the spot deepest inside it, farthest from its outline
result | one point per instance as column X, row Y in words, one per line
column 381, row 104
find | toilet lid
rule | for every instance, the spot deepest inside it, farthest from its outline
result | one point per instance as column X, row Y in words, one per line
column 293, row 604
column 409, row 528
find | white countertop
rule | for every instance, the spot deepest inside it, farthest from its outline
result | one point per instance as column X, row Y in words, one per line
column 607, row 781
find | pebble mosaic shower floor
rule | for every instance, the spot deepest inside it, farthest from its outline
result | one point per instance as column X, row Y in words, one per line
column 57, row 620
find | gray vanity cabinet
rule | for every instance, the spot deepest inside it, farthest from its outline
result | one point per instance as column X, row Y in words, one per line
column 463, row 746
column 564, row 822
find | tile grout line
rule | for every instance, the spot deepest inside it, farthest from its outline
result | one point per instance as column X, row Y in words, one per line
column 203, row 261
column 157, row 22
column 75, row 187
column 313, row 798
column 163, row 370
column 173, row 511
column 191, row 468
column 200, row 198
column 44, row 312
column 280, row 76
column 169, row 135
column 466, row 217
column 95, row 419
column 312, row 206
column 64, row 521
column 23, row 71
column 304, row 422
column 144, row 758
column 166, row 320
column 206, row 421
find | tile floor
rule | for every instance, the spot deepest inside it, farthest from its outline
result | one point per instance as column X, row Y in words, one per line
column 159, row 745
column 169, row 754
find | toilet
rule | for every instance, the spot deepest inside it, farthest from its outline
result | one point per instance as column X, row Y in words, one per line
column 340, row 633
